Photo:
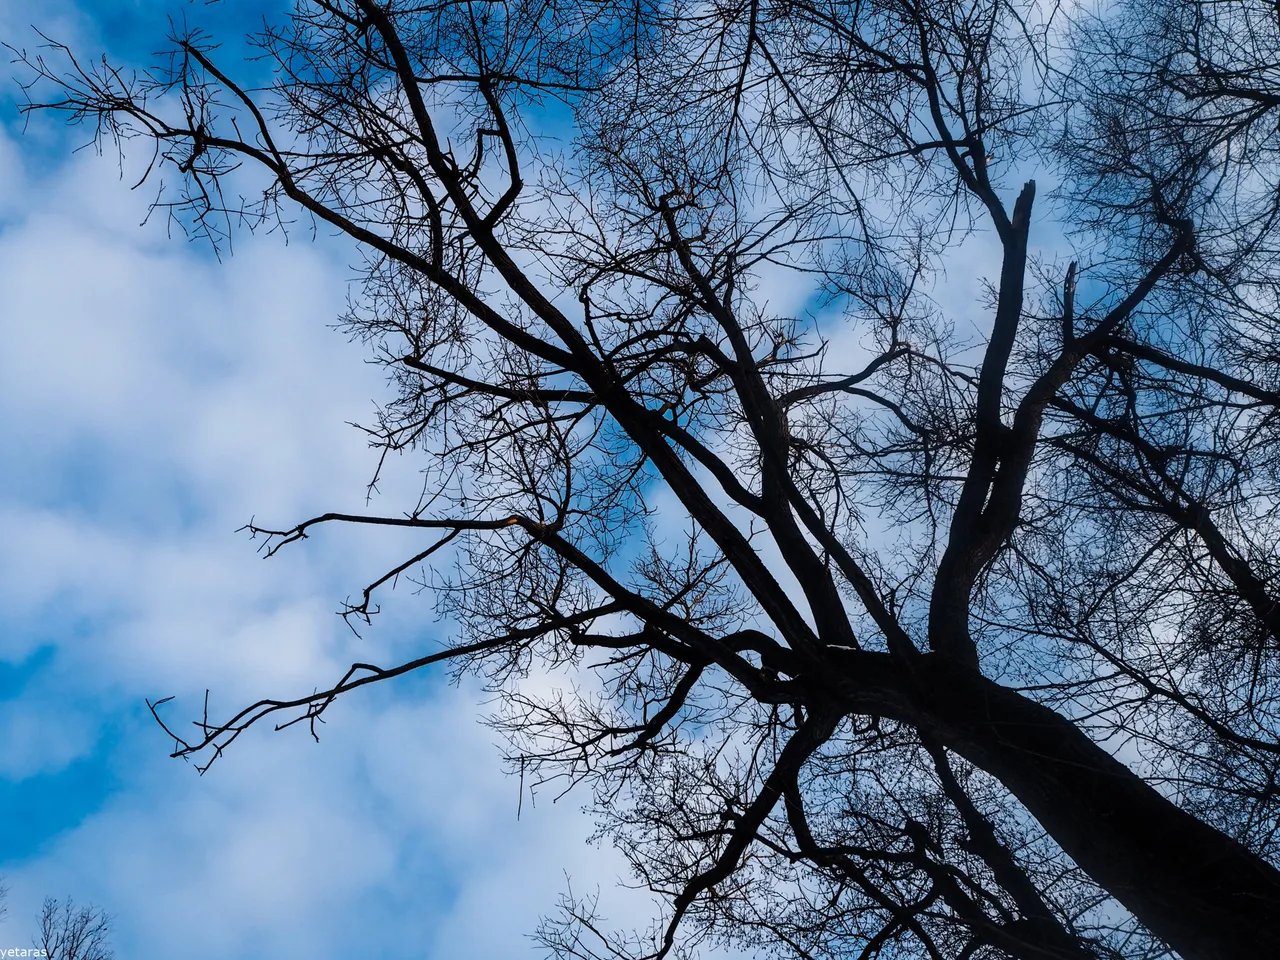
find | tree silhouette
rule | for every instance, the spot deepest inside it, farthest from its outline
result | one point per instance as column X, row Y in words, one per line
column 70, row 934
column 65, row 932
column 894, row 625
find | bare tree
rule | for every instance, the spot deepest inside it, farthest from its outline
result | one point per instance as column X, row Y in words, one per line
column 900, row 627
column 67, row 933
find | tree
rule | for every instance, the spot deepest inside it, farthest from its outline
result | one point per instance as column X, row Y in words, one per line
column 898, row 627
column 70, row 934
column 67, row 933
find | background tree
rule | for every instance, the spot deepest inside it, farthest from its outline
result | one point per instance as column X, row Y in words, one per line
column 67, row 933
column 900, row 627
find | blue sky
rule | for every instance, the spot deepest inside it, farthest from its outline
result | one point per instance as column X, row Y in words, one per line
column 151, row 401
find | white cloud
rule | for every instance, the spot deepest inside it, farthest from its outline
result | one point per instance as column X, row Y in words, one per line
column 151, row 401
column 42, row 740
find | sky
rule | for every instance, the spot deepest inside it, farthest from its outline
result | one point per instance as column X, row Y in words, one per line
column 152, row 400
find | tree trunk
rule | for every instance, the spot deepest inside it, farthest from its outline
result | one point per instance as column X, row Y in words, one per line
column 1204, row 893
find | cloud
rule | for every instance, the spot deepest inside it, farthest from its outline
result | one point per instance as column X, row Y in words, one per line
column 152, row 401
